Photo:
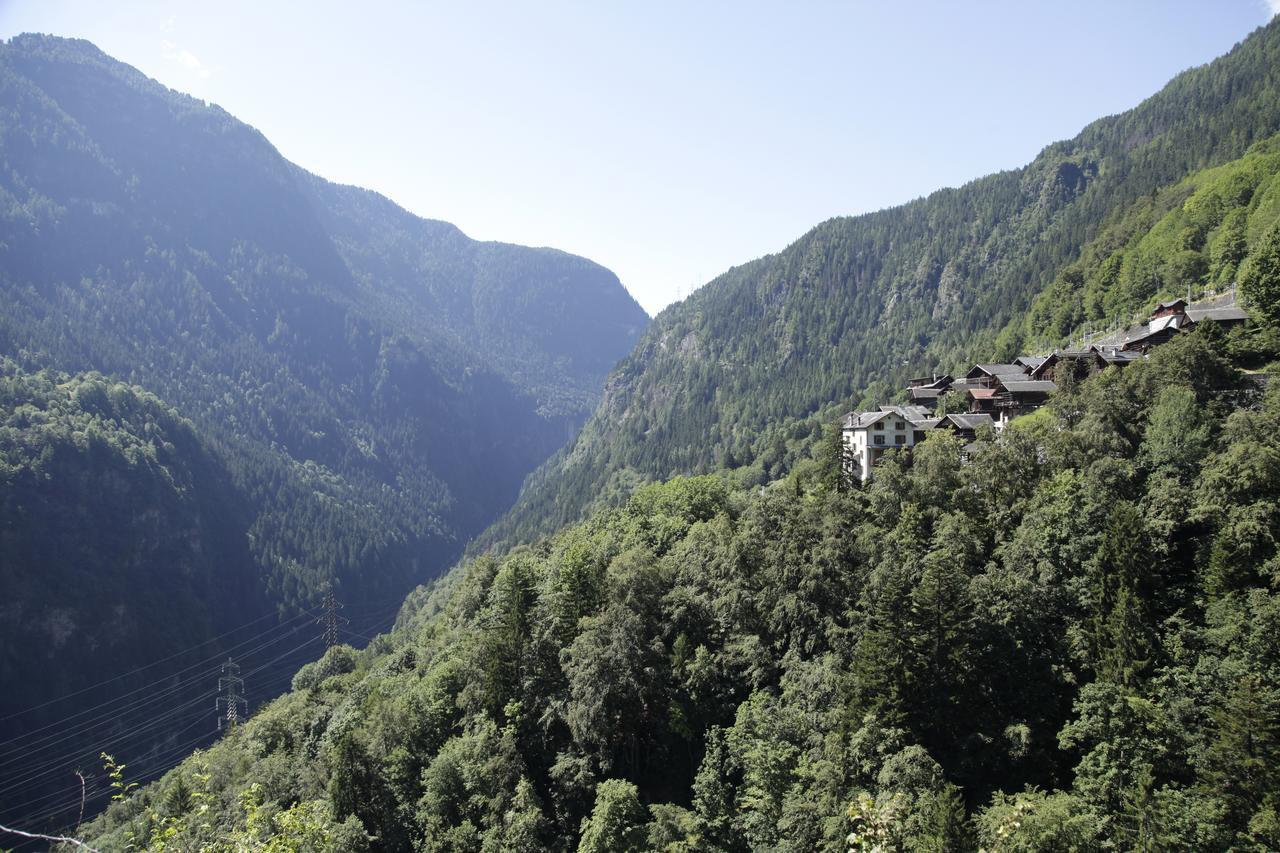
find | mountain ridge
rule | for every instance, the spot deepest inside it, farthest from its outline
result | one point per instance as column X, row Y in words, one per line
column 858, row 304
column 371, row 386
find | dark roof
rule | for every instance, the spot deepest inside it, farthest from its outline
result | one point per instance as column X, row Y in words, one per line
column 925, row 393
column 1031, row 361
column 1220, row 315
column 1114, row 356
column 935, row 381
column 1173, row 303
column 968, row 421
column 862, row 420
column 997, row 369
column 1028, row 386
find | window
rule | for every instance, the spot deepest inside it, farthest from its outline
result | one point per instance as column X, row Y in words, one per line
column 879, row 439
column 879, row 425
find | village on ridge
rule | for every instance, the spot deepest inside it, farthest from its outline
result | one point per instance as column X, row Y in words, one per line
column 995, row 394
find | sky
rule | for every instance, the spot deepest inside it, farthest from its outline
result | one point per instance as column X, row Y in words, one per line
column 667, row 141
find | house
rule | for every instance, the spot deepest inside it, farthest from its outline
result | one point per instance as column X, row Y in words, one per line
column 868, row 436
column 1078, row 363
column 1169, row 309
column 1015, row 397
column 1226, row 316
column 965, row 425
column 984, row 375
column 1116, row 357
column 1030, row 362
column 927, row 390
column 1158, row 331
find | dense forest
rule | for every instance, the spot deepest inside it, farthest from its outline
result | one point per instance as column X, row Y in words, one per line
column 690, row 633
column 231, row 386
column 1068, row 642
column 1060, row 638
column 758, row 358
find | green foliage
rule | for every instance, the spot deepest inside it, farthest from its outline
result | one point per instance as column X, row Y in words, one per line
column 1058, row 645
column 1260, row 278
column 617, row 822
column 1014, row 653
column 361, row 391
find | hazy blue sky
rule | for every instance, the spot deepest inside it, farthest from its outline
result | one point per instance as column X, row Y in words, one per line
column 668, row 141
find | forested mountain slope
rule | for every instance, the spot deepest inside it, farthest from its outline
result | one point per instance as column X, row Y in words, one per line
column 859, row 304
column 364, row 390
column 1068, row 643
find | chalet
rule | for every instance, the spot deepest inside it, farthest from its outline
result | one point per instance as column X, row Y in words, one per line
column 985, row 375
column 965, row 425
column 1226, row 316
column 1170, row 309
column 1078, row 363
column 1015, row 397
column 1159, row 330
column 869, row 435
column 1116, row 357
column 1030, row 362
column 927, row 390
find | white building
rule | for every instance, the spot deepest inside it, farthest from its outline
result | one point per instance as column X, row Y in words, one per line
column 869, row 435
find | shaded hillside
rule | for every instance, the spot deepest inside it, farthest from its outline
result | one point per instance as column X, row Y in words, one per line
column 859, row 304
column 330, row 343
column 368, row 388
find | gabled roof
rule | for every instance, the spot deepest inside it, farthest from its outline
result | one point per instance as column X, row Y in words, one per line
column 982, row 393
column 1028, row 386
column 934, row 381
column 1172, row 303
column 1159, row 324
column 913, row 415
column 970, row 421
column 1220, row 315
column 994, row 370
column 1031, row 362
column 862, row 420
column 1112, row 355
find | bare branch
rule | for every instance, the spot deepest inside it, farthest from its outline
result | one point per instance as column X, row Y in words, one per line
column 59, row 838
column 80, row 819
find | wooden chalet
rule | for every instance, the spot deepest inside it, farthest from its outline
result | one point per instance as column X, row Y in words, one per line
column 927, row 390
column 1226, row 316
column 1169, row 309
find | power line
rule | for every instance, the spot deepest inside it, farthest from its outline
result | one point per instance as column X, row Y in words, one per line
column 232, row 683
column 204, row 663
column 55, row 763
column 168, row 752
column 330, row 619
column 137, row 669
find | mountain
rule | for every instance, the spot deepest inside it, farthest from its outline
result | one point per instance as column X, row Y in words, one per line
column 235, row 385
column 755, row 360
column 1065, row 642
